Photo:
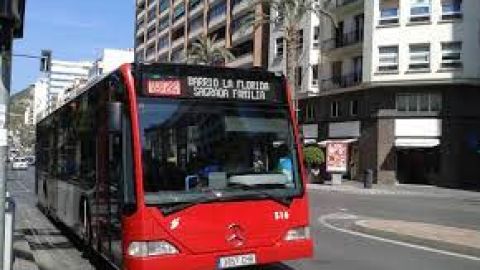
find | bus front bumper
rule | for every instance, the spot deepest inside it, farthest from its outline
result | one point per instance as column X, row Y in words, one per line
column 209, row 261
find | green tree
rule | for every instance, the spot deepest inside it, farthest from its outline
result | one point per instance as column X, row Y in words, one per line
column 313, row 155
column 203, row 52
column 286, row 16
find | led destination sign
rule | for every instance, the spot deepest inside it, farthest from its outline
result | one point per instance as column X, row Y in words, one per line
column 213, row 88
column 228, row 88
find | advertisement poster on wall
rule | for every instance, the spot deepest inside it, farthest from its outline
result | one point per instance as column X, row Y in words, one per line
column 337, row 157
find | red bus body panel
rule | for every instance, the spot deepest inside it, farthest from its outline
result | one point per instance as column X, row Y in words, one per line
column 202, row 230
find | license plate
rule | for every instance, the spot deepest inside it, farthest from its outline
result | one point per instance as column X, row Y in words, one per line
column 236, row 261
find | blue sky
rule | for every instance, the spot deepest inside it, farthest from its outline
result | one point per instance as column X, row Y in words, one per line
column 73, row 30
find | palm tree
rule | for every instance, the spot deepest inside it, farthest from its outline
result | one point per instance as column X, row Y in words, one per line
column 203, row 52
column 287, row 16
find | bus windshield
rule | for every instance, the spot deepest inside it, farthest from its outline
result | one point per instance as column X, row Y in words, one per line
column 191, row 149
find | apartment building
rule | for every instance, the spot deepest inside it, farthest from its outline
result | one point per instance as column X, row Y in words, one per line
column 63, row 75
column 400, row 84
column 306, row 83
column 166, row 28
column 109, row 60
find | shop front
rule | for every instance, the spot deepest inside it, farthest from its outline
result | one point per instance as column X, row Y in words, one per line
column 417, row 149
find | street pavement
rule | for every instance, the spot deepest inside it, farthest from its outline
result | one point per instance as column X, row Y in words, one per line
column 39, row 242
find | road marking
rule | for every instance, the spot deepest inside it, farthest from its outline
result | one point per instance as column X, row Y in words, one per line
column 323, row 221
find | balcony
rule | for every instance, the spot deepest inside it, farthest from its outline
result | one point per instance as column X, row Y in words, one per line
column 197, row 9
column 245, row 60
column 216, row 21
column 240, row 6
column 343, row 81
column 241, row 34
column 195, row 33
column 178, row 22
column 178, row 42
column 162, row 50
column 141, row 13
column 346, row 39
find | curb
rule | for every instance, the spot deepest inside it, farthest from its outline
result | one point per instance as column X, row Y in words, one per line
column 359, row 226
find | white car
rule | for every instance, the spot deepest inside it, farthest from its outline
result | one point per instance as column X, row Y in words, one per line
column 20, row 164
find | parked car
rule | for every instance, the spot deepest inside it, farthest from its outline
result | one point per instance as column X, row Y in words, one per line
column 20, row 164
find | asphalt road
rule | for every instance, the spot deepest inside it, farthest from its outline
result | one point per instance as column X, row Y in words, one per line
column 333, row 249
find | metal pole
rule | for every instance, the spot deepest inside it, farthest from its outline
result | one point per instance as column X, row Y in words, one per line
column 6, row 35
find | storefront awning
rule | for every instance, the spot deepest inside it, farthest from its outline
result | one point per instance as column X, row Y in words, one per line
column 309, row 141
column 347, row 141
column 416, row 142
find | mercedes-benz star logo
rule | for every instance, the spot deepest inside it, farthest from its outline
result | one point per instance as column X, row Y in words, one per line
column 236, row 235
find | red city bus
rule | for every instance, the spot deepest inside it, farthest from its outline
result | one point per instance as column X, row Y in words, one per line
column 165, row 166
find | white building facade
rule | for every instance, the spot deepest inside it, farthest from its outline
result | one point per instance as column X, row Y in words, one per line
column 110, row 60
column 62, row 76
column 40, row 99
column 400, row 83
column 306, row 83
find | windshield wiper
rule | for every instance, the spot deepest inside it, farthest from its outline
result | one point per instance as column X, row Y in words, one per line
column 286, row 201
column 184, row 205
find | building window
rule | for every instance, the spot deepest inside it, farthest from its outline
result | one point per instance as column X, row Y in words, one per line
column 178, row 11
column 152, row 13
column 309, row 112
column 151, row 32
column 354, row 107
column 151, row 50
column 164, row 5
column 451, row 9
column 279, row 48
column 163, row 42
column 316, row 36
column 418, row 102
column 419, row 10
column 388, row 58
column 315, row 75
column 140, row 22
column 298, row 76
column 163, row 24
column 217, row 10
column 452, row 55
column 193, row 4
column 334, row 109
column 177, row 56
column 419, row 56
column 389, row 12
column 300, row 39
column 196, row 24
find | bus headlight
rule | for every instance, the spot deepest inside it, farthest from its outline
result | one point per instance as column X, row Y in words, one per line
column 300, row 233
column 152, row 248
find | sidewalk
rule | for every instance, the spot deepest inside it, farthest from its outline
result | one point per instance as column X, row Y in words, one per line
column 452, row 239
column 355, row 187
column 23, row 258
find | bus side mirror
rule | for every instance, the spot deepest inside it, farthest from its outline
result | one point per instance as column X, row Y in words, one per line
column 115, row 117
